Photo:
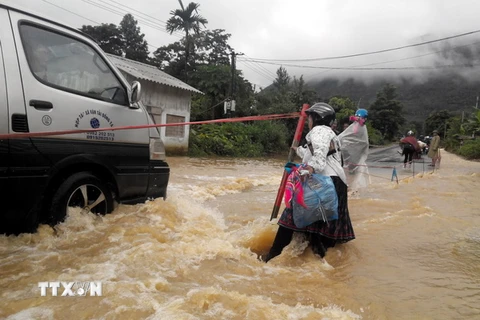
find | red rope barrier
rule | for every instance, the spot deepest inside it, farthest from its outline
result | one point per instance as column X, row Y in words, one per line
column 380, row 167
column 369, row 166
column 291, row 154
column 64, row 132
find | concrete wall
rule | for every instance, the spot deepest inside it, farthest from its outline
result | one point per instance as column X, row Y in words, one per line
column 161, row 100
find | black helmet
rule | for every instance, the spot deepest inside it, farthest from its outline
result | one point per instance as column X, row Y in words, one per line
column 322, row 113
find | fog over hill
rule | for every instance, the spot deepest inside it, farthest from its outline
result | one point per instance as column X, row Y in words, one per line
column 440, row 76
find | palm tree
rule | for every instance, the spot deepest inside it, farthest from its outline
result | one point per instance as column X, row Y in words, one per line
column 185, row 19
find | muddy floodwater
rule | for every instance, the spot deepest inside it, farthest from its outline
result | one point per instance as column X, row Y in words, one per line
column 194, row 256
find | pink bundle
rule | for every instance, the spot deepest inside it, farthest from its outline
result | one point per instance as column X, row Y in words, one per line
column 294, row 187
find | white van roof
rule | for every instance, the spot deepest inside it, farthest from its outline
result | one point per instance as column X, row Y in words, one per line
column 10, row 5
column 136, row 69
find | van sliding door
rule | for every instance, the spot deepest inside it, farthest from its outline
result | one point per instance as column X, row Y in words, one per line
column 4, row 150
column 4, row 129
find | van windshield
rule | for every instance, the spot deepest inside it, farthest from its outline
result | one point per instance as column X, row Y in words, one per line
column 65, row 62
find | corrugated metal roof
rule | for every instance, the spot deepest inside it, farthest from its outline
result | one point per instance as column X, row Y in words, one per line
column 146, row 72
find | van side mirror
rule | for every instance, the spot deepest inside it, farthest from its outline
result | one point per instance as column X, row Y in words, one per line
column 136, row 91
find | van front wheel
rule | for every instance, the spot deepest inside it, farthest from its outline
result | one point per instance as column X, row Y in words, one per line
column 81, row 190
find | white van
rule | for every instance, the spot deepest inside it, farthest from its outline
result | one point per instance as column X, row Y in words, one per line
column 53, row 77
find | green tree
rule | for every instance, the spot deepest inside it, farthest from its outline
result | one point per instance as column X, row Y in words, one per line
column 212, row 47
column 344, row 108
column 108, row 36
column 385, row 113
column 134, row 45
column 212, row 74
column 416, row 126
column 171, row 59
column 460, row 136
column 374, row 136
column 339, row 103
column 214, row 81
column 281, row 95
column 301, row 93
column 437, row 120
column 343, row 117
column 472, row 125
column 265, row 101
column 285, row 96
column 245, row 97
column 278, row 97
column 282, row 81
column 186, row 20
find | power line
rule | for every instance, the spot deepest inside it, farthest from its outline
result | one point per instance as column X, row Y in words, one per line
column 370, row 69
column 256, row 70
column 263, row 68
column 71, row 12
column 259, row 69
column 403, row 59
column 368, row 53
column 422, row 55
column 122, row 13
column 141, row 20
column 83, row 17
column 214, row 106
column 256, row 66
column 103, row 7
column 153, row 18
column 150, row 18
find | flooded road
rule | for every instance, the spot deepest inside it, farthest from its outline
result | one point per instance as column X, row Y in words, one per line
column 194, row 256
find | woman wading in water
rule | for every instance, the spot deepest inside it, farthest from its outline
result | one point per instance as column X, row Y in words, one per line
column 321, row 155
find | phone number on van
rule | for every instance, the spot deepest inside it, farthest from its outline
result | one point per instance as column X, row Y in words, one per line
column 104, row 136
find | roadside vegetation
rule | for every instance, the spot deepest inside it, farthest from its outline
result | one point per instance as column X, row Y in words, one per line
column 460, row 132
column 238, row 139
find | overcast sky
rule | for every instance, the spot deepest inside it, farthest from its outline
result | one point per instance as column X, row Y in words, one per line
column 295, row 29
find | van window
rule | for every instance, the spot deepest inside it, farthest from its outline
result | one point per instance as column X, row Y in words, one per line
column 71, row 65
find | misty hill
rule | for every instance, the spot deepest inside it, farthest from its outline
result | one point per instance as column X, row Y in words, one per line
column 450, row 92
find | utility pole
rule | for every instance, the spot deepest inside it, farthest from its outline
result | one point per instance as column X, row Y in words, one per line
column 230, row 105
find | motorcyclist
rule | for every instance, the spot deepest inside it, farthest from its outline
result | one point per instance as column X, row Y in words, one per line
column 410, row 146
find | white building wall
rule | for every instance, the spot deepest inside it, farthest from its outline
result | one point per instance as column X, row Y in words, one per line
column 161, row 100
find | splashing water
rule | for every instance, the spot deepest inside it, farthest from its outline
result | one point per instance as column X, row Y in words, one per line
column 194, row 256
